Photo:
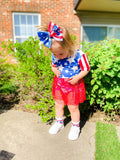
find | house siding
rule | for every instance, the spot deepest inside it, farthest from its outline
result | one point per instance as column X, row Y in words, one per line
column 100, row 18
column 58, row 11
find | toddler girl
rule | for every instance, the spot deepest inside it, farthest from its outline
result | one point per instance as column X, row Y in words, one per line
column 70, row 67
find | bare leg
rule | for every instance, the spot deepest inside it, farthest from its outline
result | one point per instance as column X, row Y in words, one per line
column 75, row 113
column 59, row 112
column 59, row 109
column 75, row 116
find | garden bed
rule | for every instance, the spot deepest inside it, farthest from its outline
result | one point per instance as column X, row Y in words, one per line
column 11, row 102
column 28, row 83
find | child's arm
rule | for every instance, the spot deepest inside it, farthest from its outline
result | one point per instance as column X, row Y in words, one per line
column 56, row 71
column 54, row 67
column 73, row 80
column 85, row 67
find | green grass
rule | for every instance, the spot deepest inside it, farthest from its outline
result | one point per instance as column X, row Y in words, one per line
column 107, row 142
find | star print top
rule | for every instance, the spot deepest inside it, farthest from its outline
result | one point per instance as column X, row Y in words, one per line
column 72, row 65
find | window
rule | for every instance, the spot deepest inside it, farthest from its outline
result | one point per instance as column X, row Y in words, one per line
column 93, row 33
column 24, row 25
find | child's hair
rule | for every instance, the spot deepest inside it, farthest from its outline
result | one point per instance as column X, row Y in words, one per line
column 67, row 43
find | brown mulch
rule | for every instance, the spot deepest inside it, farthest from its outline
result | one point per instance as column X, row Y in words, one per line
column 12, row 102
column 101, row 116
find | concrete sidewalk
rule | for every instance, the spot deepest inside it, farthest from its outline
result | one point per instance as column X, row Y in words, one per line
column 24, row 135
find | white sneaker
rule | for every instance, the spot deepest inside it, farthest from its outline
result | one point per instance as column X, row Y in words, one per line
column 74, row 133
column 56, row 127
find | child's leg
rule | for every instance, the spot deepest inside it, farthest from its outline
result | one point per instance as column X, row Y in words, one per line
column 75, row 113
column 59, row 112
column 59, row 109
column 75, row 116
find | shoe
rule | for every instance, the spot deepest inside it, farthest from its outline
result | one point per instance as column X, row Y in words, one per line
column 74, row 133
column 56, row 127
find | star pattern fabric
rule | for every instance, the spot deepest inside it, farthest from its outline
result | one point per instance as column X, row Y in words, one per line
column 71, row 66
column 54, row 31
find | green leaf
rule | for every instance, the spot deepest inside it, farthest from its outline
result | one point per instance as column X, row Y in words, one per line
column 95, row 87
column 92, row 81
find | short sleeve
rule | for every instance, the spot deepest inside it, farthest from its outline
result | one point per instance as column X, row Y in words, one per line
column 53, row 61
column 84, row 63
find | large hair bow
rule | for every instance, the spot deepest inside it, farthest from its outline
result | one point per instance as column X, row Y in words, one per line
column 53, row 32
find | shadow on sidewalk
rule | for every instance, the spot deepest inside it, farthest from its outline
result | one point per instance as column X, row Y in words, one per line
column 86, row 113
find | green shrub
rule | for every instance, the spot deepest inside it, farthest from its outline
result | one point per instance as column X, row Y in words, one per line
column 103, row 81
column 34, row 77
column 7, row 85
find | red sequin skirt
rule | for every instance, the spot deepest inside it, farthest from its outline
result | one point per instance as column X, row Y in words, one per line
column 67, row 93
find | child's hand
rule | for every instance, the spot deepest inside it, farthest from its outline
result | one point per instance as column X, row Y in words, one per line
column 56, row 71
column 73, row 80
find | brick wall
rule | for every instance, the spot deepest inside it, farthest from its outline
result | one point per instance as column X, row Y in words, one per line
column 58, row 11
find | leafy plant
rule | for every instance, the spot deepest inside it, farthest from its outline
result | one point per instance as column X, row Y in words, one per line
column 103, row 81
column 35, row 75
column 32, row 73
column 7, row 85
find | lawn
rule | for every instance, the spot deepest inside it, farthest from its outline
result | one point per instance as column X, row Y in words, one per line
column 107, row 142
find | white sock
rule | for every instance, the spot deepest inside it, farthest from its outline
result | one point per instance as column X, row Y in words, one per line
column 76, row 124
column 59, row 120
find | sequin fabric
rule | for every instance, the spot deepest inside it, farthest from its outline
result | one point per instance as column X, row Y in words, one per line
column 69, row 94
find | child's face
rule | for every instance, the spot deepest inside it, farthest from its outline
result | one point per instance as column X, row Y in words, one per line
column 58, row 51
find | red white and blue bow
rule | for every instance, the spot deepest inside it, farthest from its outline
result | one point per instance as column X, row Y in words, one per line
column 53, row 32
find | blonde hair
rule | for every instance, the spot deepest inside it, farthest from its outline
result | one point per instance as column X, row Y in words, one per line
column 67, row 43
